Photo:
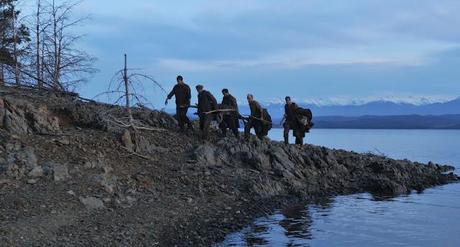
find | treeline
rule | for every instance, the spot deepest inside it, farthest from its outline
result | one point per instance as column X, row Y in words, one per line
column 41, row 49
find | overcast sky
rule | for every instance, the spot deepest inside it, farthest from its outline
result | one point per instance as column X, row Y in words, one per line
column 334, row 51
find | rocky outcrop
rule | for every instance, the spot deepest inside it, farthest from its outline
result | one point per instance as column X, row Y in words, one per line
column 42, row 112
column 22, row 117
column 71, row 176
column 315, row 170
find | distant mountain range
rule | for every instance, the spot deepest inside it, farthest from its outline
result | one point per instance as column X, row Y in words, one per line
column 376, row 108
column 389, row 122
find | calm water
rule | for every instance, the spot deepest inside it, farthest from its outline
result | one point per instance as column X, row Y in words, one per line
column 431, row 218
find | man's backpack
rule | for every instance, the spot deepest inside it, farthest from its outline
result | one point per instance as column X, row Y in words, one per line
column 268, row 118
column 305, row 118
column 305, row 113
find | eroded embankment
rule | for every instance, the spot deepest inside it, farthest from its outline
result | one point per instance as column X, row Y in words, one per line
column 71, row 176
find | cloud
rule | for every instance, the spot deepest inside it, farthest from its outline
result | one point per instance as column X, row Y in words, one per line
column 413, row 55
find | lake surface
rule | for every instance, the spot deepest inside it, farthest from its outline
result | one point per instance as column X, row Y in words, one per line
column 431, row 218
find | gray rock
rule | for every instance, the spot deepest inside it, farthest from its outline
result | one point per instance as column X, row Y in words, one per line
column 127, row 141
column 206, row 154
column 36, row 172
column 131, row 200
column 108, row 181
column 61, row 173
column 92, row 203
column 30, row 157
column 21, row 117
column 15, row 122
column 32, row 181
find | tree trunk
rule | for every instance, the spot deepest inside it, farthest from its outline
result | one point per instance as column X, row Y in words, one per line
column 56, row 50
column 15, row 49
column 125, row 78
column 39, row 78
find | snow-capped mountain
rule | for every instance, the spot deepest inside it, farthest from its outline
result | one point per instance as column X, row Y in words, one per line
column 375, row 108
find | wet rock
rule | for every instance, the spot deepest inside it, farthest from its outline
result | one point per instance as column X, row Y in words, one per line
column 92, row 203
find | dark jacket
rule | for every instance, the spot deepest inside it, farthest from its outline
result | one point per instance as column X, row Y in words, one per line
column 229, row 102
column 290, row 112
column 206, row 102
column 182, row 94
column 256, row 109
column 294, row 114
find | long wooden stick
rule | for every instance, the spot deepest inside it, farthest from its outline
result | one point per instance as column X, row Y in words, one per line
column 262, row 120
column 219, row 110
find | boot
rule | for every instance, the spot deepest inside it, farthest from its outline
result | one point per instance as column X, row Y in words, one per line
column 299, row 141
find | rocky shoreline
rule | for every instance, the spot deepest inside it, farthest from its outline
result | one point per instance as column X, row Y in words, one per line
column 71, row 176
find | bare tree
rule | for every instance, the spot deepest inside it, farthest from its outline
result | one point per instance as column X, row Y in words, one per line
column 63, row 64
column 125, row 87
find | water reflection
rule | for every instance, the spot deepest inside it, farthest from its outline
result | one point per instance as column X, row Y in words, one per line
column 359, row 220
column 255, row 237
column 288, row 227
column 296, row 222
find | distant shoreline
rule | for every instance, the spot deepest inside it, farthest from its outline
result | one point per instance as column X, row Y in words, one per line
column 386, row 122
column 325, row 128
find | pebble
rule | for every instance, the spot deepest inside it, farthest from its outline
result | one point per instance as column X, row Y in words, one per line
column 32, row 181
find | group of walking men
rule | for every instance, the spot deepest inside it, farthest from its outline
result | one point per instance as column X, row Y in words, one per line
column 228, row 116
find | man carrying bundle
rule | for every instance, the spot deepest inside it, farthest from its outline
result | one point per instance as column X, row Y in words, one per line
column 229, row 108
column 259, row 119
column 207, row 109
column 298, row 119
column 183, row 95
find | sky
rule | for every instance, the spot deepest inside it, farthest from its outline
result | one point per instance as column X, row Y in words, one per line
column 333, row 52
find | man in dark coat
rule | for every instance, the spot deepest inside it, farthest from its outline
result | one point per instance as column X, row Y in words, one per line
column 206, row 105
column 230, row 118
column 183, row 95
column 257, row 119
column 294, row 119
